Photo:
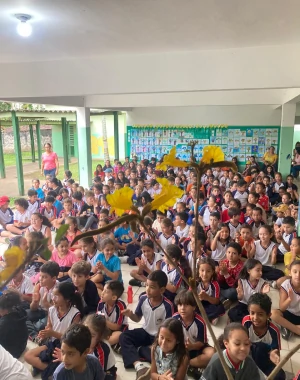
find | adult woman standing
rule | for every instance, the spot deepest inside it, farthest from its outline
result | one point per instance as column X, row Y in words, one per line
column 50, row 164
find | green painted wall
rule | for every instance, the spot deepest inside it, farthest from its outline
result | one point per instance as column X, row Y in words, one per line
column 57, row 140
column 285, row 148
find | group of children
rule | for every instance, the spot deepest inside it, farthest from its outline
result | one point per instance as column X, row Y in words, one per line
column 72, row 304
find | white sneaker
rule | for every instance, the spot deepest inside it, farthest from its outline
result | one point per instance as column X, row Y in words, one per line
column 123, row 259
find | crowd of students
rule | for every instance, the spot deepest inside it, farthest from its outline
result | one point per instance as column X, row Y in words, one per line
column 71, row 305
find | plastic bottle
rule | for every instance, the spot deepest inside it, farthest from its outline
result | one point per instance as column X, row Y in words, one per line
column 129, row 294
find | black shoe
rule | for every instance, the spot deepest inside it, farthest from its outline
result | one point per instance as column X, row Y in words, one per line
column 117, row 348
column 134, row 282
column 286, row 334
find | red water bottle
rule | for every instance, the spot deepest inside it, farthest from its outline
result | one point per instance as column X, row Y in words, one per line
column 129, row 294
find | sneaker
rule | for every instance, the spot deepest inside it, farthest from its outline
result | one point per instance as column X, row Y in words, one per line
column 195, row 373
column 214, row 321
column 286, row 334
column 117, row 348
column 134, row 282
column 227, row 303
column 274, row 285
column 143, row 374
column 123, row 259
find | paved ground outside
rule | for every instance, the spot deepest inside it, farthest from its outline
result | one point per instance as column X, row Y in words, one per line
column 9, row 185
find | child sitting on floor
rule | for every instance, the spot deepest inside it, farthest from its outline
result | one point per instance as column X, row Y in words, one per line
column 155, row 308
column 111, row 306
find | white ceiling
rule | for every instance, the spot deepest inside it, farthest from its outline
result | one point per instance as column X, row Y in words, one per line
column 64, row 29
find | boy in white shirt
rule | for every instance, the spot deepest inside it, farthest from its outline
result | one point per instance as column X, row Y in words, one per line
column 182, row 229
column 21, row 217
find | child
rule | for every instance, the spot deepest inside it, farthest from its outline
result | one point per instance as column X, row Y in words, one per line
column 241, row 194
column 289, row 257
column 48, row 209
column 42, row 294
column 148, row 262
column 209, row 290
column 199, row 251
column 212, row 229
column 169, row 358
column 263, row 200
column 246, row 241
column 100, row 347
column 182, row 229
column 257, row 217
column 194, row 330
column 280, row 213
column 72, row 232
column 220, row 242
column 22, row 284
column 64, row 257
column 111, row 306
column 65, row 213
column 249, row 282
column 6, row 217
column 38, row 223
column 61, row 315
column 21, row 217
column 36, row 187
column 263, row 334
column 155, row 308
column 264, row 250
column 234, row 221
column 236, row 354
column 33, row 202
column 174, row 278
column 90, row 252
column 122, row 236
column 248, row 213
column 80, row 273
column 284, row 239
column 108, row 265
column 207, row 210
column 228, row 273
column 288, row 314
column 167, row 236
column 76, row 363
column 13, row 329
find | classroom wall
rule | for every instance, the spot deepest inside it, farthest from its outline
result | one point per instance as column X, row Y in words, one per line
column 296, row 134
column 205, row 115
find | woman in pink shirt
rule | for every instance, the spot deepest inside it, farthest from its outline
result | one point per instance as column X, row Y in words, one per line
column 50, row 163
column 64, row 257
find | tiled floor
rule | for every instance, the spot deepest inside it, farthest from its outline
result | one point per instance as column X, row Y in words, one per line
column 292, row 365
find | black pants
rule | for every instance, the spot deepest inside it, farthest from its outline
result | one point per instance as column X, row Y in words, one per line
column 237, row 313
column 271, row 274
column 213, row 311
column 130, row 340
column 260, row 354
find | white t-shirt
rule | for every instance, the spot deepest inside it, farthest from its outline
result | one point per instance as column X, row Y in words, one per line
column 263, row 254
column 11, row 368
column 182, row 233
column 294, row 306
column 25, row 287
column 23, row 218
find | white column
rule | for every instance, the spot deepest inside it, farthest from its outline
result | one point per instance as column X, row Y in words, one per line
column 84, row 146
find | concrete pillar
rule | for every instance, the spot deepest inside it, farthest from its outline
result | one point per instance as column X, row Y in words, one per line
column 286, row 138
column 84, row 146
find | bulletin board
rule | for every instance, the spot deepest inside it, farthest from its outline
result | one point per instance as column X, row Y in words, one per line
column 241, row 142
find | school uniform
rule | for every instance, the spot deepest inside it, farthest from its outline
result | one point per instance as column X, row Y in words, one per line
column 6, row 217
column 234, row 229
column 205, row 213
column 182, row 233
column 262, row 345
column 107, row 360
column 151, row 265
column 281, row 248
column 292, row 312
column 255, row 228
column 115, row 315
column 33, row 207
column 167, row 240
column 246, row 370
column 213, row 290
column 220, row 252
column 49, row 214
column 113, row 264
column 173, row 278
column 195, row 332
column 130, row 340
column 237, row 313
column 90, row 298
column 263, row 255
column 242, row 197
column 22, row 217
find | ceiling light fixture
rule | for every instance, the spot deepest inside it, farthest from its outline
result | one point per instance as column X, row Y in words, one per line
column 24, row 29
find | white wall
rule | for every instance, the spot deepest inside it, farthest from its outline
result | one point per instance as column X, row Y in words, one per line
column 205, row 115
